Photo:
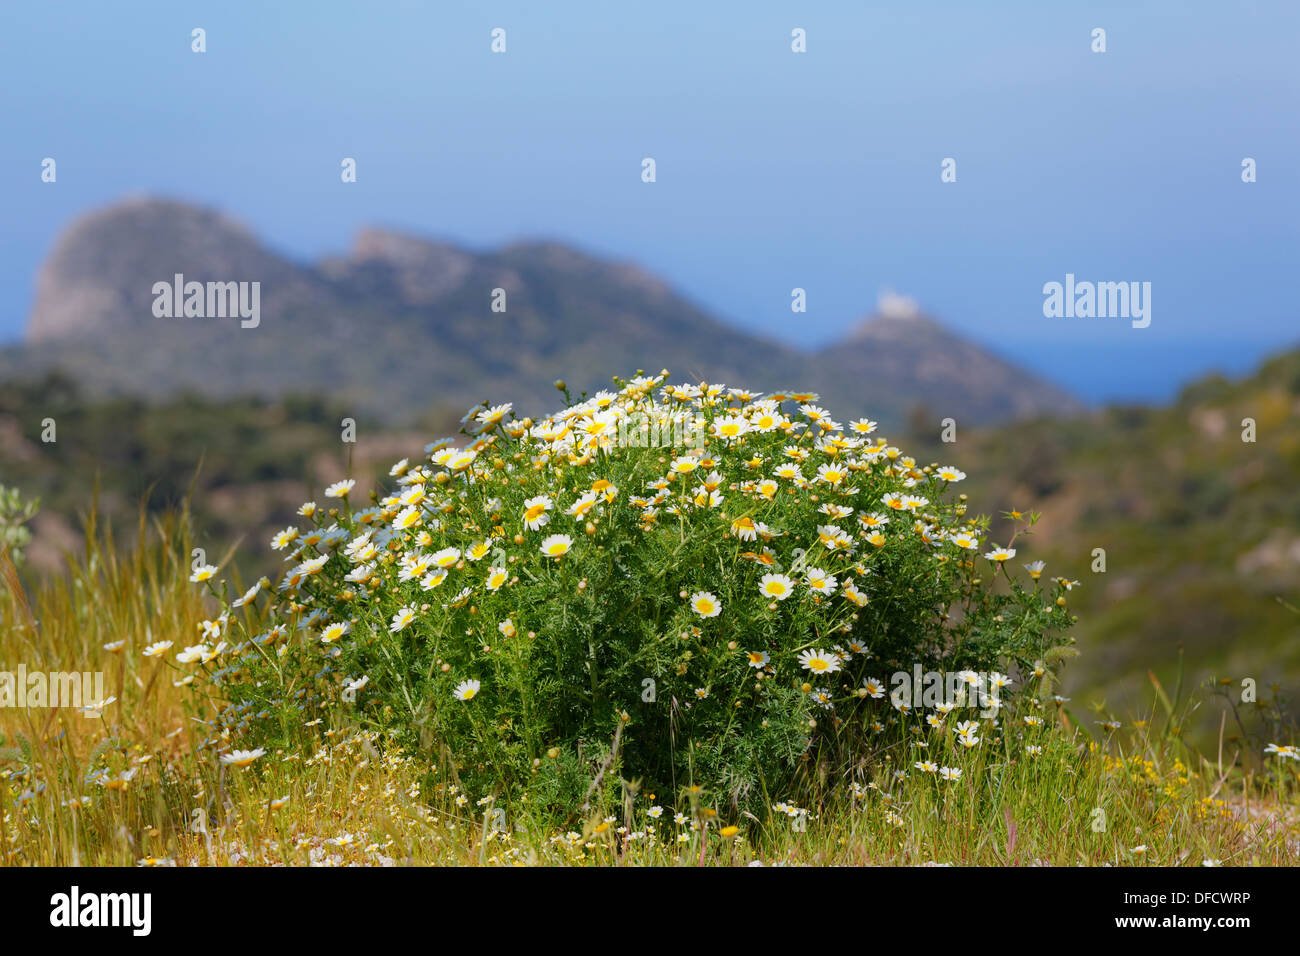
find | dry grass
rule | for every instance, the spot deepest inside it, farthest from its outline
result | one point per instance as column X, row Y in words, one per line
column 350, row 800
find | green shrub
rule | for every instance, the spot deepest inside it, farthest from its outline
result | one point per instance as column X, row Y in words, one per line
column 14, row 515
column 723, row 596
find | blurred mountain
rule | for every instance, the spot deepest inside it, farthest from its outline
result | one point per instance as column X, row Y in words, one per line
column 403, row 322
column 901, row 352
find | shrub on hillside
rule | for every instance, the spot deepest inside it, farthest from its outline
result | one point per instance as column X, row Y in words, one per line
column 730, row 578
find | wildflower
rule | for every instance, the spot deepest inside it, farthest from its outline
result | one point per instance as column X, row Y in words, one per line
column 853, row 594
column 203, row 572
column 248, row 595
column 1284, row 752
column 191, row 654
column 461, row 460
column 407, row 518
column 776, row 586
column 1000, row 555
column 584, row 504
column 832, row 475
column 414, row 566
column 757, row 659
column 703, row 498
column 556, row 545
column 340, row 489
column 819, row 582
column 96, row 708
column 242, row 758
column 466, row 689
column 705, row 604
column 926, row 766
column 352, row 686
column 819, row 662
column 951, row 774
column 157, row 649
column 119, row 782
column 334, row 632
column 873, row 688
column 965, row 539
column 730, row 429
column 402, row 618
column 313, row 565
column 490, row 416
column 535, row 512
column 446, row 557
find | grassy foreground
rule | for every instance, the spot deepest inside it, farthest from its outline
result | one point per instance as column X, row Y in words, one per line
column 142, row 783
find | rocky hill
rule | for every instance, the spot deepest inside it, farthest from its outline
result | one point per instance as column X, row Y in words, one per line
column 403, row 323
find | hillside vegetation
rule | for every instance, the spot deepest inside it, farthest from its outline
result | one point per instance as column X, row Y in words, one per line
column 1201, row 530
column 149, row 777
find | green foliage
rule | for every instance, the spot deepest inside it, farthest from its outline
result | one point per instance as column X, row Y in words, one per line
column 239, row 466
column 513, row 603
column 14, row 514
column 1199, row 529
column 22, row 753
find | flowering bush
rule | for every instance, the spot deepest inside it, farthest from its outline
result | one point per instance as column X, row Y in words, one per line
column 735, row 601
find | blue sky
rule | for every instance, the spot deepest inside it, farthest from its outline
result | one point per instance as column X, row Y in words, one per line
column 775, row 169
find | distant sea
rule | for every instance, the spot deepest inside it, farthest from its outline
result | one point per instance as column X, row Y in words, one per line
column 1154, row 373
